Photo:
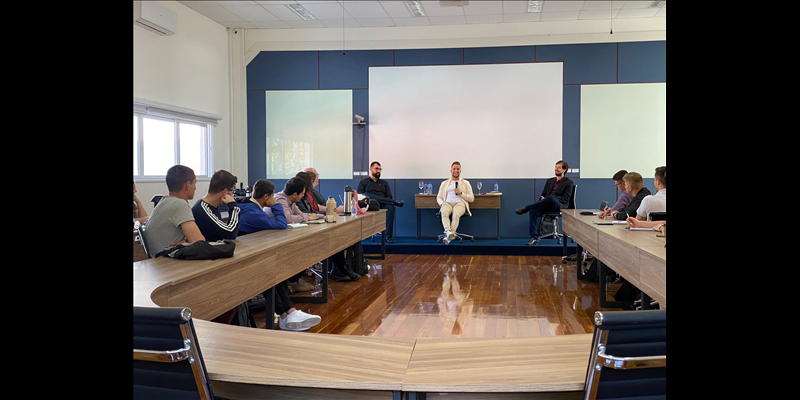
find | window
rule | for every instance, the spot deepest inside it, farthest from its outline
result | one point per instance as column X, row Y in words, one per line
column 159, row 142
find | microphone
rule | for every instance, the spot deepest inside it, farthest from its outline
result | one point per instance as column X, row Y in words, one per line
column 456, row 185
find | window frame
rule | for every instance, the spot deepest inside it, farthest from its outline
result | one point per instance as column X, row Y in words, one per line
column 207, row 159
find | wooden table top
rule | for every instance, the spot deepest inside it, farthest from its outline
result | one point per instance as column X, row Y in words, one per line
column 482, row 201
column 639, row 256
column 542, row 364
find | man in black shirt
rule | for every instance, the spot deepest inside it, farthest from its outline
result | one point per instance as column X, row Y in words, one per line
column 376, row 188
column 556, row 194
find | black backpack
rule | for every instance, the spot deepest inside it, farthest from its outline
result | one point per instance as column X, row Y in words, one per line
column 200, row 250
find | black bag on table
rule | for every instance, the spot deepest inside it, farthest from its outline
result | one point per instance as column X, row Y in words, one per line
column 200, row 250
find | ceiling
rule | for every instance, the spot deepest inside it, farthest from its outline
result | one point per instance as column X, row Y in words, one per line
column 356, row 14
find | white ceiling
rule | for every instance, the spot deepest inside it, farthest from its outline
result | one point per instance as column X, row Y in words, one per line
column 355, row 14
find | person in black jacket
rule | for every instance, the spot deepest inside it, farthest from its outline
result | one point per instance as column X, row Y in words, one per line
column 634, row 185
column 378, row 189
column 556, row 194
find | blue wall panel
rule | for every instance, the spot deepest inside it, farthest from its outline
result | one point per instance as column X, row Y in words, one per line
column 643, row 62
column 428, row 57
column 361, row 134
column 256, row 136
column 283, row 70
column 571, row 127
column 583, row 63
column 492, row 55
column 351, row 70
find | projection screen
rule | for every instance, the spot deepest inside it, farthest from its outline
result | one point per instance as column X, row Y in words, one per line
column 498, row 120
column 623, row 126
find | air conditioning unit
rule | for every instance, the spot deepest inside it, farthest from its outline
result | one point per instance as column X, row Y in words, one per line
column 155, row 18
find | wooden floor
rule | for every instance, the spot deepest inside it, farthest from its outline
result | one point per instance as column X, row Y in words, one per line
column 459, row 296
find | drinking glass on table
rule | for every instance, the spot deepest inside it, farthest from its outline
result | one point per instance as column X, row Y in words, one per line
column 421, row 185
column 480, row 185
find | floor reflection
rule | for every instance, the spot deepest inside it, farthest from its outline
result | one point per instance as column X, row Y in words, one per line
column 460, row 296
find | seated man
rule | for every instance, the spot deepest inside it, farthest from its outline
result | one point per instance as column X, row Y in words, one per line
column 634, row 185
column 556, row 195
column 656, row 202
column 206, row 210
column 253, row 218
column 454, row 197
column 172, row 221
column 624, row 197
column 293, row 192
column 378, row 189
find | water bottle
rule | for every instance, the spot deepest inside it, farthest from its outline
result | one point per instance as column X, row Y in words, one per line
column 496, row 188
column 430, row 188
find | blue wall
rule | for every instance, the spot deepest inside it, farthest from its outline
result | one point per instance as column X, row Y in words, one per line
column 601, row 63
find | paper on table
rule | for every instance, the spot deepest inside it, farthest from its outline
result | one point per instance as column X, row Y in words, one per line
column 297, row 225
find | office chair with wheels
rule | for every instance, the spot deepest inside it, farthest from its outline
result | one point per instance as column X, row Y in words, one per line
column 556, row 218
column 628, row 356
column 459, row 236
column 167, row 362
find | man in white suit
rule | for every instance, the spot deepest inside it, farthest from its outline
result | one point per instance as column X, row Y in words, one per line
column 454, row 197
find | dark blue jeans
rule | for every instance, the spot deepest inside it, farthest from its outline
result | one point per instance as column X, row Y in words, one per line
column 538, row 209
column 388, row 205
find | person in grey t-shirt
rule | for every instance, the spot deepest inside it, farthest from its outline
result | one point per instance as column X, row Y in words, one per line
column 172, row 221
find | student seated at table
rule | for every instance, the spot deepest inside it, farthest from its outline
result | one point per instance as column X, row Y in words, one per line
column 254, row 218
column 173, row 222
column 656, row 202
column 206, row 210
column 139, row 213
column 308, row 204
column 634, row 185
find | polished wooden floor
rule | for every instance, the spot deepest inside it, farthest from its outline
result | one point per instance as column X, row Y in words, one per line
column 449, row 296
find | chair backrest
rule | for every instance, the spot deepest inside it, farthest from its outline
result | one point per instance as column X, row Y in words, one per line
column 658, row 216
column 142, row 240
column 156, row 198
column 629, row 355
column 167, row 363
column 572, row 198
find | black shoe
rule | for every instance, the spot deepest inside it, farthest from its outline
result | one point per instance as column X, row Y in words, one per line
column 339, row 276
column 353, row 276
column 389, row 239
column 520, row 210
column 532, row 241
column 399, row 203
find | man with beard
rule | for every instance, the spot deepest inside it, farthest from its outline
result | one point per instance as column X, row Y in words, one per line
column 378, row 189
column 454, row 197
column 556, row 194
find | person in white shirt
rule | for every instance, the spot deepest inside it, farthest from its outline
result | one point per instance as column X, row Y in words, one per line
column 656, row 202
column 454, row 197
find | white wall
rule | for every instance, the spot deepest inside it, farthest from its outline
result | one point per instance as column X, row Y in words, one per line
column 189, row 69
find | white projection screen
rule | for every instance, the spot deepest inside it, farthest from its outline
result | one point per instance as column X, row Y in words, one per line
column 309, row 128
column 498, row 120
column 623, row 126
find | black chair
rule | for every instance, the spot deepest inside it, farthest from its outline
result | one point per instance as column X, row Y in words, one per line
column 156, row 198
column 658, row 216
column 167, row 362
column 140, row 229
column 628, row 356
column 556, row 218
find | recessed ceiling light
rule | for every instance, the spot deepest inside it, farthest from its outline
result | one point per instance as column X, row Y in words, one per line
column 300, row 11
column 534, row 6
column 415, row 7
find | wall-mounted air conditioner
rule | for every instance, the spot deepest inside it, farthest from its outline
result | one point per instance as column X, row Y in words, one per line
column 155, row 18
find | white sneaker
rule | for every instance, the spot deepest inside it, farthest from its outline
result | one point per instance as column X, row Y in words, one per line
column 452, row 235
column 299, row 321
